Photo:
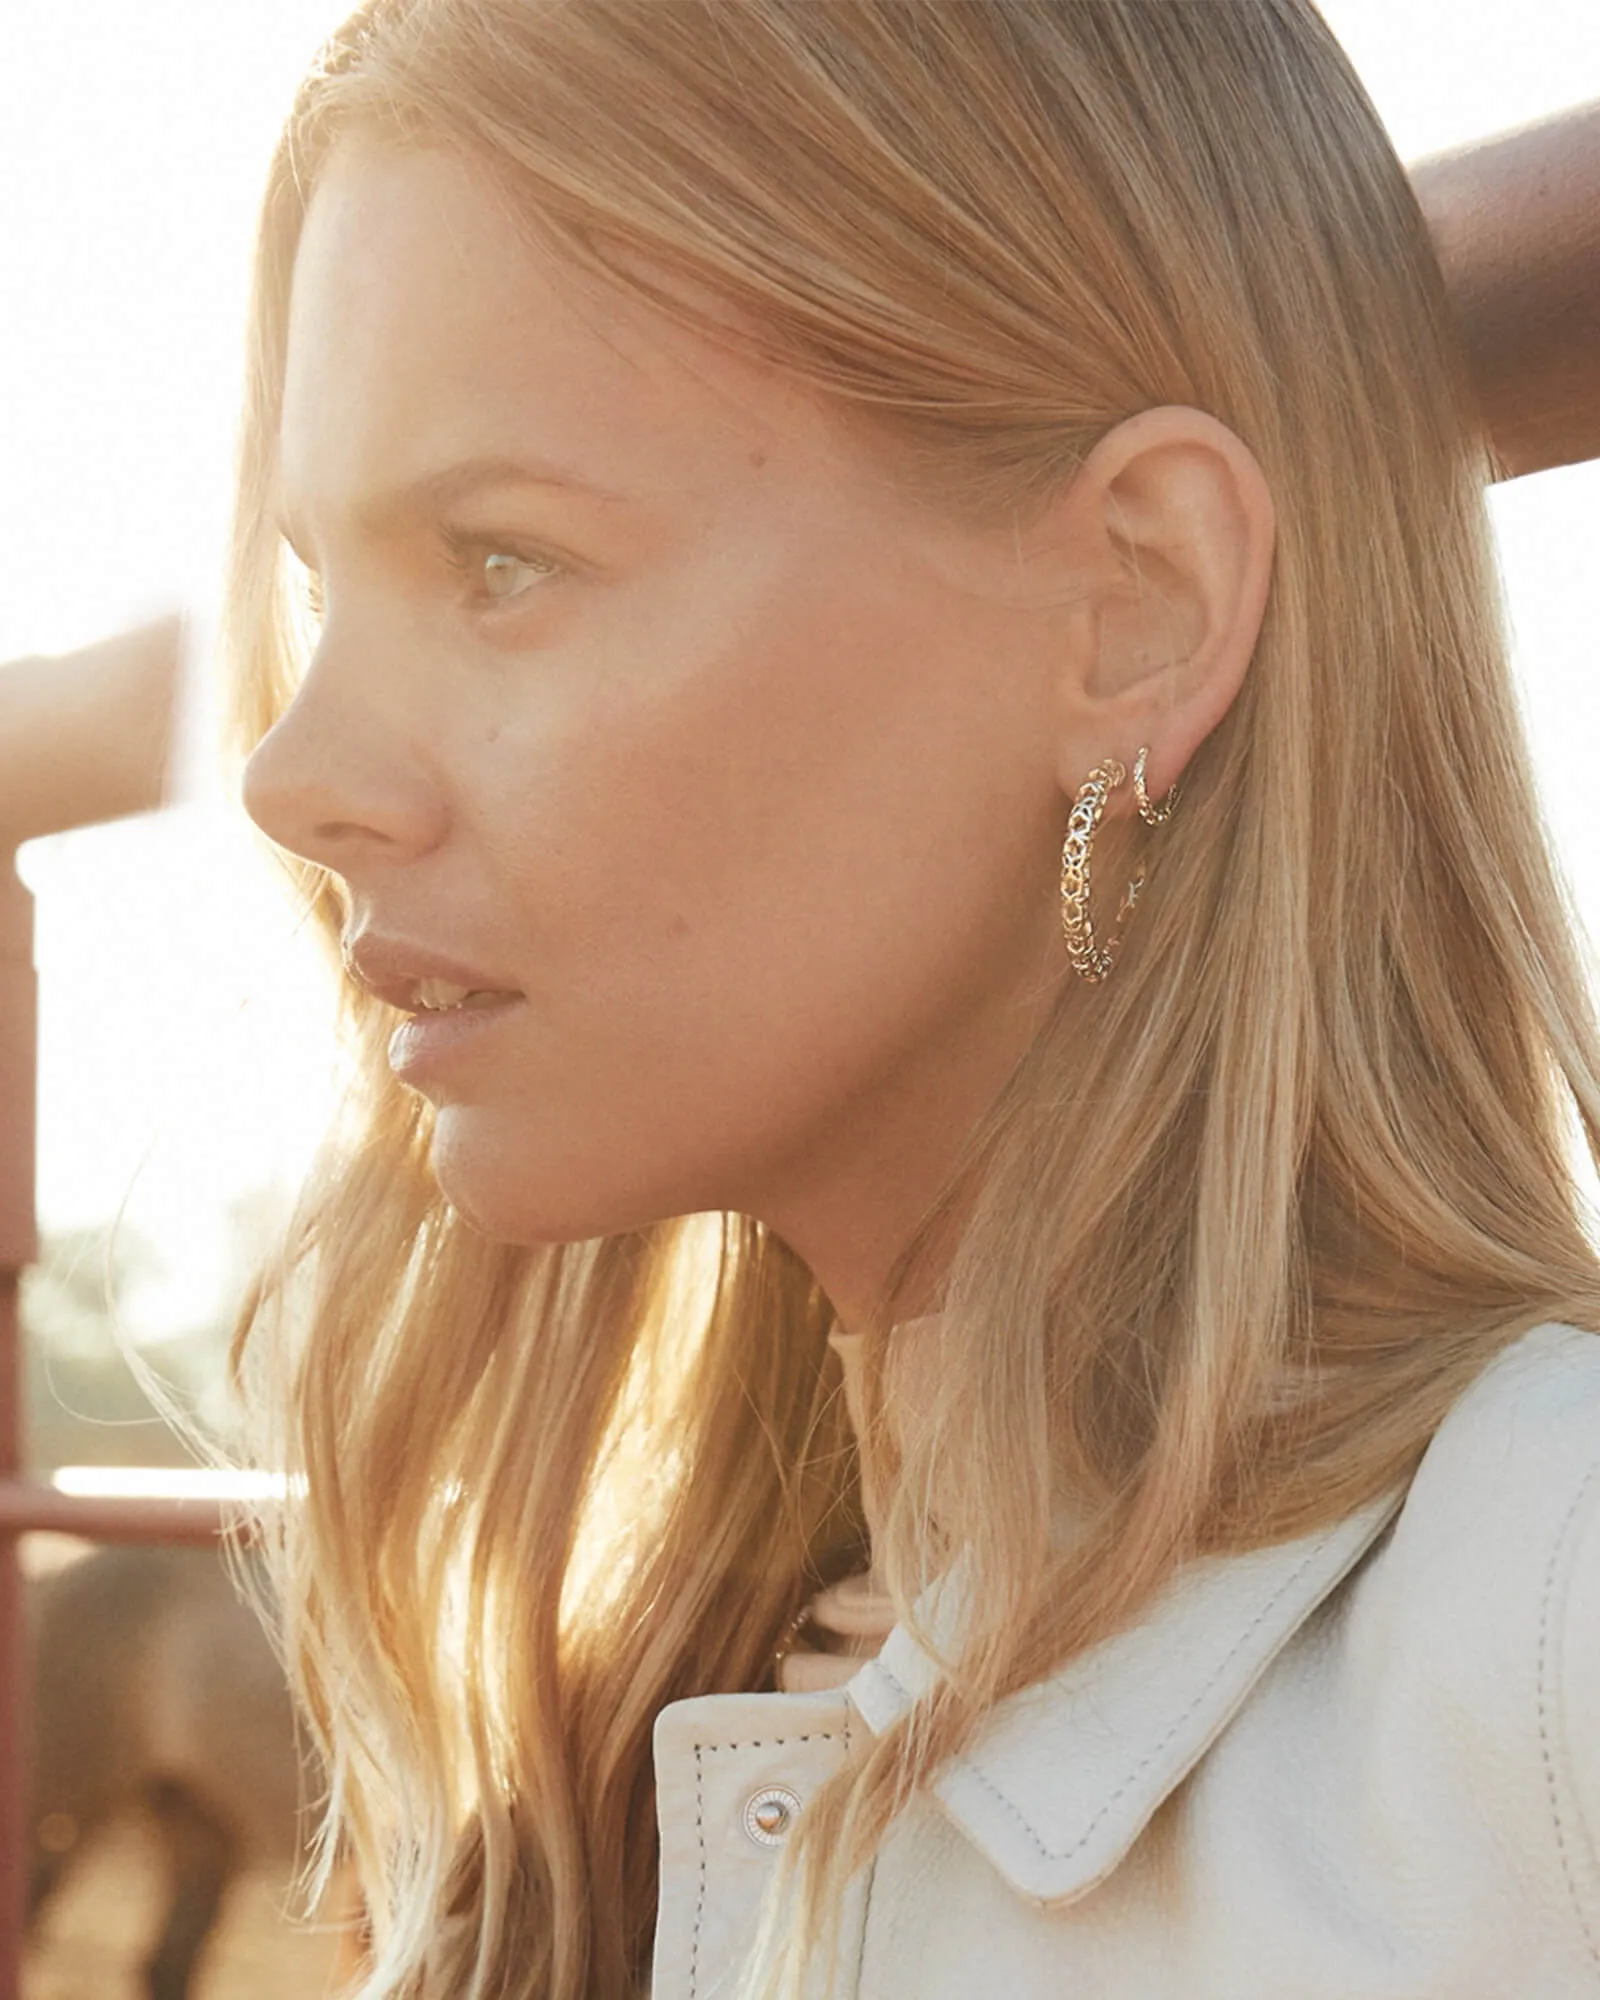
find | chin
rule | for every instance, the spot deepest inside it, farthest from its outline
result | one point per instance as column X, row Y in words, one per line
column 504, row 1193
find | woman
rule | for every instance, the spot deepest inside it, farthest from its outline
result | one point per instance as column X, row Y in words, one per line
column 903, row 725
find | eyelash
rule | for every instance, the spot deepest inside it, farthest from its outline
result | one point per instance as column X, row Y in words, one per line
column 466, row 555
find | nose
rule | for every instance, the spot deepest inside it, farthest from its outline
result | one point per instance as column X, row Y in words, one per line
column 339, row 779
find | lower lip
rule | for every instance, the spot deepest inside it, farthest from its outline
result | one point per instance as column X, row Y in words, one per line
column 427, row 1042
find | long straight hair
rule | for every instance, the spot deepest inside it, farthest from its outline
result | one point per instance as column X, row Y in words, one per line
column 1220, row 1263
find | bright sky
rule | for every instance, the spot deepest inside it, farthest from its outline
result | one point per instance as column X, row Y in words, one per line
column 184, row 1058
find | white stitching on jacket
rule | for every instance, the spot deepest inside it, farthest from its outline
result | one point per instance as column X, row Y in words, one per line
column 700, row 1894
column 1544, row 1718
column 1066, row 1853
column 764, row 1743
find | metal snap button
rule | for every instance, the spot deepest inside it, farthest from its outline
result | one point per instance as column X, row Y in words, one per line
column 769, row 1815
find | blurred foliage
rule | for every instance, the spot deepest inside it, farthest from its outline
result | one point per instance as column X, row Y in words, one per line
column 85, row 1403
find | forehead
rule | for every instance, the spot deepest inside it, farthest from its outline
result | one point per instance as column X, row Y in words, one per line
column 429, row 324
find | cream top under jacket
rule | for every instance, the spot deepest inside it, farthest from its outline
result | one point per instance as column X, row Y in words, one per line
column 1360, row 1766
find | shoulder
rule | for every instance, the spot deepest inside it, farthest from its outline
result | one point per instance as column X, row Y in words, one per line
column 1480, row 1613
column 1484, row 1544
column 1508, row 1486
column 1515, row 1456
column 1523, row 1431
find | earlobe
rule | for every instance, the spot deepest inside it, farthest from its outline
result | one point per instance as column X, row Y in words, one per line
column 1185, row 524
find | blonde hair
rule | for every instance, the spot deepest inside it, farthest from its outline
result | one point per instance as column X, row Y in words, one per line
column 1220, row 1266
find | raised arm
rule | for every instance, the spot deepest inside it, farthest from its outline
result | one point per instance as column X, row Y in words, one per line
column 86, row 736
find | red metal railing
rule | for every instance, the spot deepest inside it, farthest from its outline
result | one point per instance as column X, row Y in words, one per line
column 1517, row 222
column 18, row 1246
column 85, row 739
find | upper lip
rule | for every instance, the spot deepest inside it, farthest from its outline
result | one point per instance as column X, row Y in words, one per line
column 392, row 968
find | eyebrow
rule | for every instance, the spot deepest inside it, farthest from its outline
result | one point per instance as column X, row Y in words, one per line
column 383, row 512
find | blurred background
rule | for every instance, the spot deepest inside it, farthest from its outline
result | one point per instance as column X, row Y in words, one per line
column 186, row 1058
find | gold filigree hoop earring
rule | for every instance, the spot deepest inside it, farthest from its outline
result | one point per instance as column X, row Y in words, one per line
column 1150, row 814
column 1089, row 957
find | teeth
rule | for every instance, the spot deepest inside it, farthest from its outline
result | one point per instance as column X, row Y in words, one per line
column 435, row 996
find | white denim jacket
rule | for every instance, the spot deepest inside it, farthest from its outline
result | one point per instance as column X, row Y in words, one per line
column 1360, row 1766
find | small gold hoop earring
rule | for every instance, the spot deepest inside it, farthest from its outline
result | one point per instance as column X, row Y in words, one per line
column 1151, row 815
column 1089, row 957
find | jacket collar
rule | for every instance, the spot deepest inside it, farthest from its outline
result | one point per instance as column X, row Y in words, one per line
column 1064, row 1776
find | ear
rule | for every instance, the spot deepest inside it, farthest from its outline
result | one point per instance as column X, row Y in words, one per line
column 1171, row 524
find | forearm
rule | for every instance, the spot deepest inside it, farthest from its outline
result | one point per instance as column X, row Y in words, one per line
column 87, row 736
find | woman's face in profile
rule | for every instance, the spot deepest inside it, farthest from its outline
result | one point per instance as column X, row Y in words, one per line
column 644, row 694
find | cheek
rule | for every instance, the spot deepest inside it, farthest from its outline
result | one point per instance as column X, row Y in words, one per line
column 740, row 879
